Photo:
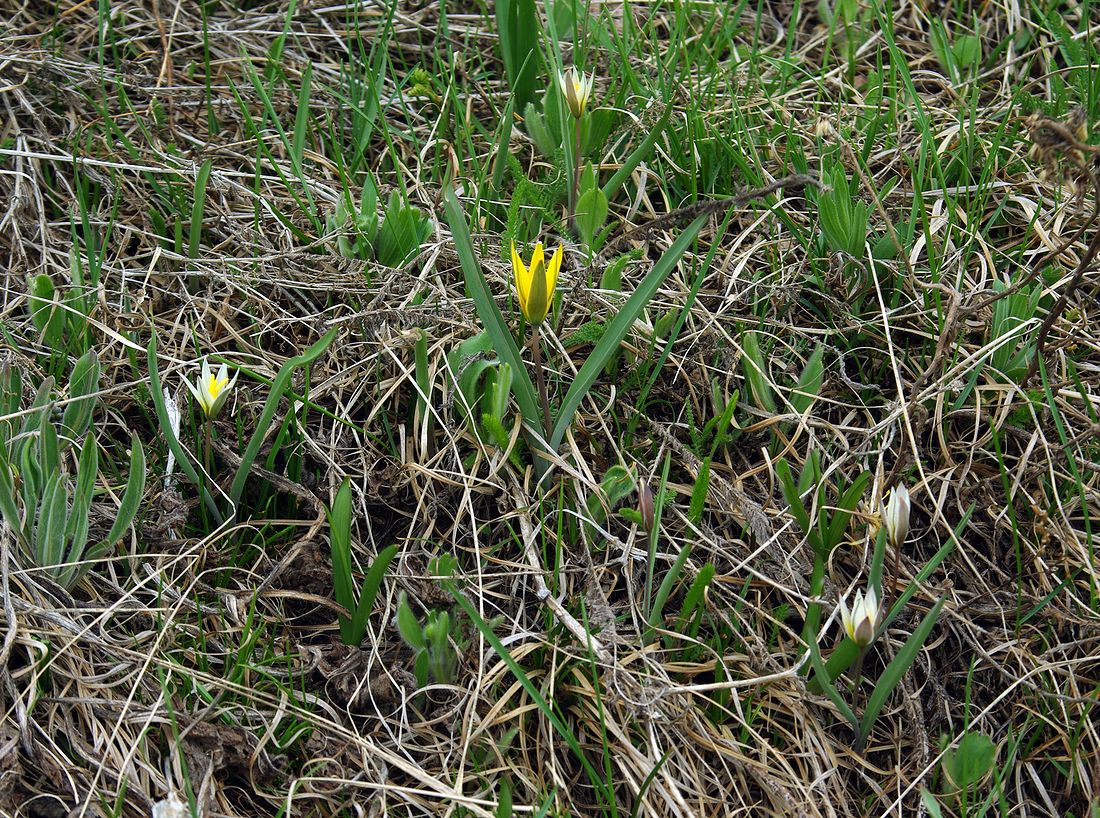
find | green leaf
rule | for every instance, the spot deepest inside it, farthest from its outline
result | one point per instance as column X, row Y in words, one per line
column 894, row 672
column 793, row 498
column 971, row 761
column 618, row 329
column 591, row 215
column 408, row 625
column 695, row 598
column 278, row 389
column 83, row 389
column 195, row 230
column 489, row 313
column 846, row 505
column 809, row 384
column 87, row 470
column 49, row 535
column 7, row 498
column 40, row 304
column 339, row 538
column 699, row 492
column 131, row 497
column 755, row 370
column 369, row 591
column 517, row 30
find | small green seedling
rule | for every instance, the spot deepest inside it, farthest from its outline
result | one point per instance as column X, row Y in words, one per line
column 354, row 627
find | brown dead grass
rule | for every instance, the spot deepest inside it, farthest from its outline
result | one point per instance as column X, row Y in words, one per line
column 113, row 694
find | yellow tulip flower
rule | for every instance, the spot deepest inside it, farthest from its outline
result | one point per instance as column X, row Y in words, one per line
column 535, row 285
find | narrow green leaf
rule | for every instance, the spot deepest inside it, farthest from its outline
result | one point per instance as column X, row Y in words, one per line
column 7, row 499
column 794, row 500
column 339, row 537
column 197, row 208
column 49, row 536
column 87, row 470
column 829, row 689
column 895, row 671
column 755, row 369
column 809, row 384
column 618, row 329
column 695, row 598
column 301, row 118
column 846, row 505
column 672, row 576
column 278, row 389
column 699, row 492
column 490, row 314
column 369, row 590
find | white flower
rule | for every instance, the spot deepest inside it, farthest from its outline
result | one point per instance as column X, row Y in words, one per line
column 895, row 516
column 212, row 391
column 860, row 622
column 171, row 807
column 576, row 87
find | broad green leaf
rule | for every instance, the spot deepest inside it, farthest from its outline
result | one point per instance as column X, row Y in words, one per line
column 131, row 496
column 809, row 384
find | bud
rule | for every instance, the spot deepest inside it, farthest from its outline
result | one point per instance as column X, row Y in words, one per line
column 646, row 507
column 895, row 515
column 860, row 622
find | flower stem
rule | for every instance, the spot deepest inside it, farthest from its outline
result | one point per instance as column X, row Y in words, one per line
column 576, row 174
column 858, row 674
column 540, row 378
column 207, row 446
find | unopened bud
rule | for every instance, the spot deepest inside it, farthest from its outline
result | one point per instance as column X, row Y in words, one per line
column 646, row 507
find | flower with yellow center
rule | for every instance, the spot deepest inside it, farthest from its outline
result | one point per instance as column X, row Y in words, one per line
column 576, row 87
column 535, row 284
column 212, row 390
column 860, row 622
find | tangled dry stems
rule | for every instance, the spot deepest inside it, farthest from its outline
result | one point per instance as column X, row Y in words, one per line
column 146, row 674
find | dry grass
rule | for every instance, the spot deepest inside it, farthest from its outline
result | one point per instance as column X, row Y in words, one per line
column 210, row 655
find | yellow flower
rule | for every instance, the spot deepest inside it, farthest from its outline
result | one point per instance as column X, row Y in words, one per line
column 859, row 623
column 576, row 87
column 212, row 390
column 535, row 286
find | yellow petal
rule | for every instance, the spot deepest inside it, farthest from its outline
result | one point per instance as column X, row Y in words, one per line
column 523, row 279
column 539, row 303
column 552, row 272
